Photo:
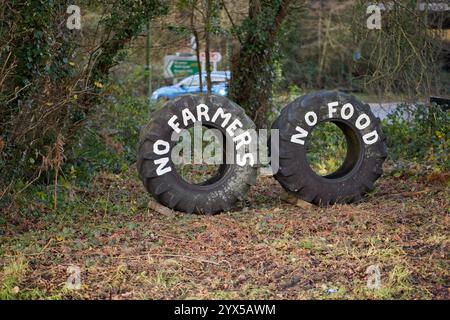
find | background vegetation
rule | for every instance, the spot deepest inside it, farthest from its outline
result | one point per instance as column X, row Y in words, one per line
column 72, row 104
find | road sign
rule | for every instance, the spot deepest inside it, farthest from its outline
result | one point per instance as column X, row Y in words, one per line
column 214, row 57
column 180, row 66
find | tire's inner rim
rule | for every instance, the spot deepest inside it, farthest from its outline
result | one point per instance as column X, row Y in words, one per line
column 333, row 149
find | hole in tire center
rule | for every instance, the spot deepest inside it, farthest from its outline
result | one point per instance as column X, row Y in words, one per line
column 190, row 169
column 326, row 149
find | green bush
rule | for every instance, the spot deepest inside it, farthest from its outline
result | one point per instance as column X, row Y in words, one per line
column 53, row 78
column 419, row 134
column 326, row 149
column 109, row 141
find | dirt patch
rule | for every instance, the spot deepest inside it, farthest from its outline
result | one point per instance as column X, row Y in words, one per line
column 266, row 248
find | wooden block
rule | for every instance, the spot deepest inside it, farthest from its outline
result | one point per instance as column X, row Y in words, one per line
column 160, row 208
column 292, row 199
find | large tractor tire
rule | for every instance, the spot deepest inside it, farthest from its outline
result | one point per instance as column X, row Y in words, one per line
column 159, row 173
column 366, row 149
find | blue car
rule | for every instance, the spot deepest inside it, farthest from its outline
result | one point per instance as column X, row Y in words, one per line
column 191, row 85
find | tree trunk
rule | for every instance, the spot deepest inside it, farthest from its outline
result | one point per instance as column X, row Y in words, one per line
column 251, row 68
column 207, row 44
column 197, row 48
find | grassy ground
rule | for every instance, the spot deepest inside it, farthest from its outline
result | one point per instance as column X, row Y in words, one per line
column 265, row 248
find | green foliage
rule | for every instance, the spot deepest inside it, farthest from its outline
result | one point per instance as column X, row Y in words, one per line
column 109, row 141
column 37, row 85
column 125, row 21
column 13, row 274
column 34, row 25
column 299, row 67
column 326, row 148
column 50, row 83
column 419, row 134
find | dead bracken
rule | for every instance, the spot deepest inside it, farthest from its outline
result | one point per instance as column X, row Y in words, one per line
column 266, row 248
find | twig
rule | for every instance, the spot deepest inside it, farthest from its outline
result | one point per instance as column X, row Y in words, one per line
column 233, row 26
column 182, row 256
column 403, row 193
column 43, row 249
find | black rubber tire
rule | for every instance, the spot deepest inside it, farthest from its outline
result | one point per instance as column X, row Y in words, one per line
column 215, row 195
column 361, row 167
